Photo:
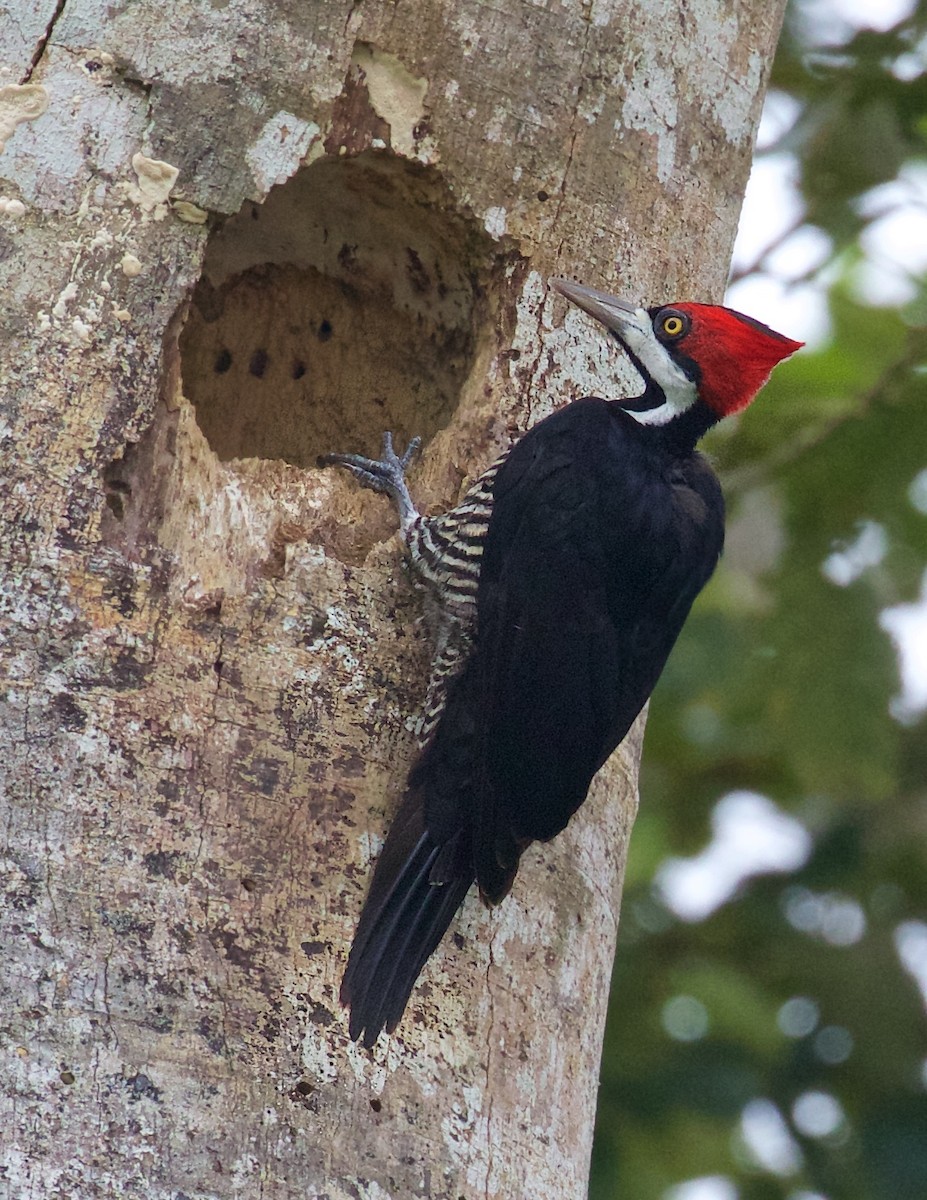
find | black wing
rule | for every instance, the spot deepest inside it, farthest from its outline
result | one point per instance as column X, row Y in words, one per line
column 590, row 566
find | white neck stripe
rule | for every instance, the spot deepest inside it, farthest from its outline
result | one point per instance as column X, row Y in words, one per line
column 655, row 416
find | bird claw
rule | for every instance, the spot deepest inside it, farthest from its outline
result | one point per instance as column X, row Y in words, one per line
column 407, row 455
column 385, row 474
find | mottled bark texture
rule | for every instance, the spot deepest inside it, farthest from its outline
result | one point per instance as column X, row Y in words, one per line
column 233, row 236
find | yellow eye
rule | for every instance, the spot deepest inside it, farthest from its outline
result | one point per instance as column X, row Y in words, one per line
column 672, row 326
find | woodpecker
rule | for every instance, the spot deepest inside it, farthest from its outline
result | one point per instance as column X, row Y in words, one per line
column 558, row 587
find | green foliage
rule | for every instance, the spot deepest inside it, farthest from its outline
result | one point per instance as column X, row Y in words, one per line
column 782, row 685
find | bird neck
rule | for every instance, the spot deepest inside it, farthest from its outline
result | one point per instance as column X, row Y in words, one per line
column 680, row 434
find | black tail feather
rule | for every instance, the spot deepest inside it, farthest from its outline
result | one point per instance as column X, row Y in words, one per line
column 404, row 918
column 388, row 953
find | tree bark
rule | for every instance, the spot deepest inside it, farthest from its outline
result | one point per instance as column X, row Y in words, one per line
column 234, row 237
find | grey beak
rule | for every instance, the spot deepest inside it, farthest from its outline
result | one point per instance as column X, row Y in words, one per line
column 614, row 314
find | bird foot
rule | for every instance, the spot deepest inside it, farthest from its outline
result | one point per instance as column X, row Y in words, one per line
column 386, row 474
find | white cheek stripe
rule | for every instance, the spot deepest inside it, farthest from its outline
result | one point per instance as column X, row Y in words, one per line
column 680, row 391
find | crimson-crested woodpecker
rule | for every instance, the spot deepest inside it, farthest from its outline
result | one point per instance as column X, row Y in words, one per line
column 560, row 583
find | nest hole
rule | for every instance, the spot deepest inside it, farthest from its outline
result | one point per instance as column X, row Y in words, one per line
column 348, row 303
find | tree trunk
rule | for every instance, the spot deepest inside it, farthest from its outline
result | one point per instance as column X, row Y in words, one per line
column 234, row 237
